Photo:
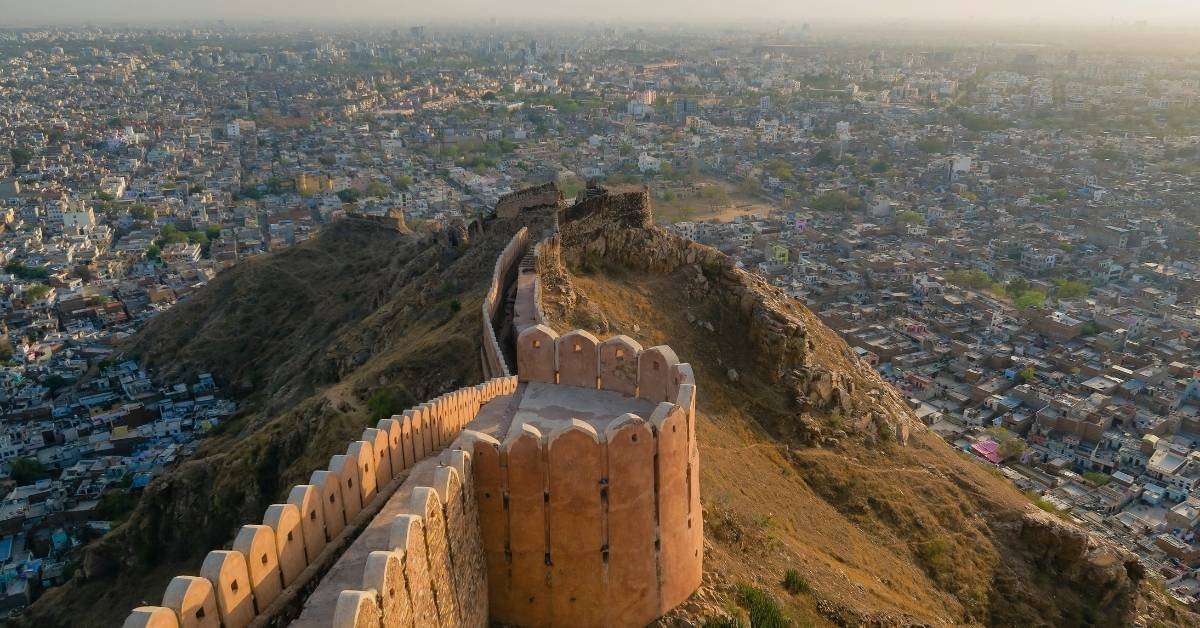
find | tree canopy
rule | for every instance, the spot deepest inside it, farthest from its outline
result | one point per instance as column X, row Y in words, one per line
column 836, row 200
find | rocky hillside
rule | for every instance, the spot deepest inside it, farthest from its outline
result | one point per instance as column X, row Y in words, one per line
column 812, row 464
column 315, row 342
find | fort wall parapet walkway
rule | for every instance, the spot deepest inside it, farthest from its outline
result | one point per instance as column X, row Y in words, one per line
column 269, row 564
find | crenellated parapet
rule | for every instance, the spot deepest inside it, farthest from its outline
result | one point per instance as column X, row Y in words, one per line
column 429, row 569
column 581, row 501
column 591, row 515
column 270, row 565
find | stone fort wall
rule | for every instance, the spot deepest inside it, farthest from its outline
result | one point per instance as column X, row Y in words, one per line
column 512, row 204
column 589, row 525
column 503, row 273
column 432, row 570
column 272, row 566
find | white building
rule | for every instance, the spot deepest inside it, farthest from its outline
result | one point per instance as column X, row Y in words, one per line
column 81, row 218
column 646, row 163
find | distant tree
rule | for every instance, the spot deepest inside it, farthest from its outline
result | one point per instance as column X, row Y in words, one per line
column 20, row 156
column 384, row 403
column 27, row 471
column 1027, row 374
column 54, row 383
column 932, row 145
column 836, row 200
column 37, row 292
column 780, row 169
column 879, row 166
column 19, row 270
column 1096, row 479
column 974, row 279
column 1030, row 298
column 198, row 237
column 170, row 234
column 909, row 217
column 378, row 189
column 1070, row 289
column 402, row 182
column 1016, row 286
column 571, row 185
column 1010, row 444
column 153, row 251
column 349, row 195
column 715, row 194
column 750, row 185
column 115, row 505
column 1090, row 328
column 141, row 212
column 823, row 157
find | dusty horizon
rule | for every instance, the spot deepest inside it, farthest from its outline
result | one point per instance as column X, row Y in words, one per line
column 1164, row 14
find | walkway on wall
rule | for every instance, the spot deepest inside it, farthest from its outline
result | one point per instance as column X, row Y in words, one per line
column 347, row 573
column 525, row 294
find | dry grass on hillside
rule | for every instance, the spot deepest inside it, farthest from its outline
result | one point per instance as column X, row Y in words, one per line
column 315, row 342
column 884, row 535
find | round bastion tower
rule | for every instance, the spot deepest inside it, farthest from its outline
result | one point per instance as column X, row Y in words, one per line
column 589, row 501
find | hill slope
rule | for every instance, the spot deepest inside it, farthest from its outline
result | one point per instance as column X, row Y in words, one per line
column 316, row 342
column 820, row 467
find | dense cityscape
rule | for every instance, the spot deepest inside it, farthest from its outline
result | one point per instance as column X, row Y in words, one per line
column 1008, row 233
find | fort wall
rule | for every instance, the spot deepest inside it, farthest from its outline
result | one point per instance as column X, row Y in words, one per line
column 560, row 521
column 587, row 525
column 503, row 274
column 431, row 570
column 271, row 567
column 512, row 204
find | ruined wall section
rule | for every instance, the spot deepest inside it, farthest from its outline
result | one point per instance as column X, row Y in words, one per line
column 503, row 273
column 540, row 196
column 269, row 565
column 618, row 227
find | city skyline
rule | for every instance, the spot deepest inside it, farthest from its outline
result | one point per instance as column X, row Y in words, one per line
column 1155, row 13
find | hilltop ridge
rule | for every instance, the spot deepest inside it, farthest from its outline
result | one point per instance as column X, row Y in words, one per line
column 317, row 341
column 813, row 469
column 810, row 462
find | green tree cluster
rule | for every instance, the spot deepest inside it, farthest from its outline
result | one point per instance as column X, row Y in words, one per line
column 27, row 471
column 1070, row 289
column 1030, row 298
column 973, row 279
column 19, row 270
column 1010, row 444
column 20, row 156
column 836, row 200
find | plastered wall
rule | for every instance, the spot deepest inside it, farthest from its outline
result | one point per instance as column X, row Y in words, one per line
column 585, row 526
column 237, row 585
column 432, row 570
column 494, row 363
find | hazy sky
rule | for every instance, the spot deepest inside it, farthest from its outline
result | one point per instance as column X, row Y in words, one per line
column 1156, row 12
